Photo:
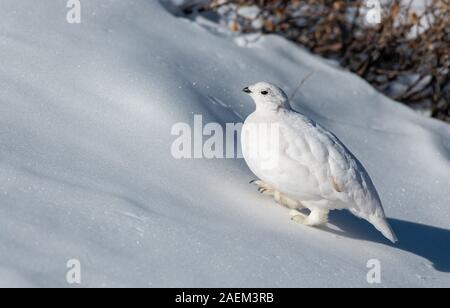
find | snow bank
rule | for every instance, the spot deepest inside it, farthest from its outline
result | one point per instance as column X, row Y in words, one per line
column 86, row 172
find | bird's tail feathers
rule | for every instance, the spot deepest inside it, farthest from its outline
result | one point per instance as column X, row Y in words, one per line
column 382, row 225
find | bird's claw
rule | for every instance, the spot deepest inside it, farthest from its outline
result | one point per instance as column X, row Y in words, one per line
column 262, row 190
column 297, row 216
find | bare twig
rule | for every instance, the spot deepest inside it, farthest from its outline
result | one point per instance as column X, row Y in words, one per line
column 291, row 98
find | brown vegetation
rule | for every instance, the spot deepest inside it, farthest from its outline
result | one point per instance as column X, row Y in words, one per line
column 406, row 56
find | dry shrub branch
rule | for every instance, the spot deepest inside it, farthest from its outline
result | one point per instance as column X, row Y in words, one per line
column 406, row 56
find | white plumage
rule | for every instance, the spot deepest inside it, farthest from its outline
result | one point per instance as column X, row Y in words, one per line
column 310, row 167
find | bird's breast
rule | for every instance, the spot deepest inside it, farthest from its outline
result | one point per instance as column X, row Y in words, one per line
column 267, row 152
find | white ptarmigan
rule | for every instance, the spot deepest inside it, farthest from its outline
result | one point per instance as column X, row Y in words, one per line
column 305, row 165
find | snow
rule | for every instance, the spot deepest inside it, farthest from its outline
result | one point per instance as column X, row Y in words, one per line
column 86, row 172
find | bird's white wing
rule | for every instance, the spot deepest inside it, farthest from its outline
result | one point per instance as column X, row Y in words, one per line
column 338, row 175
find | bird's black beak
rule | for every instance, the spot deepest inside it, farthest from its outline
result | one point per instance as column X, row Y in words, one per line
column 247, row 90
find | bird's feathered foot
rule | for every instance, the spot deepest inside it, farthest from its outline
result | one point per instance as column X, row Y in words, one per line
column 279, row 198
column 263, row 188
column 315, row 218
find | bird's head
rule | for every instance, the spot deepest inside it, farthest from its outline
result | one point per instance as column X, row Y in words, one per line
column 267, row 96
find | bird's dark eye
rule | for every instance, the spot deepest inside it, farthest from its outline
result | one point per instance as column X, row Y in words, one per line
column 264, row 92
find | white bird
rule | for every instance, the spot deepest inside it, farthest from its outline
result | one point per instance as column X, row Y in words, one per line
column 304, row 165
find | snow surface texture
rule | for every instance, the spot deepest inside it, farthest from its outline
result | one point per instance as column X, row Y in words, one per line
column 86, row 171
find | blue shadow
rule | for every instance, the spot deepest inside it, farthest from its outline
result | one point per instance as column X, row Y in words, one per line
column 429, row 242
